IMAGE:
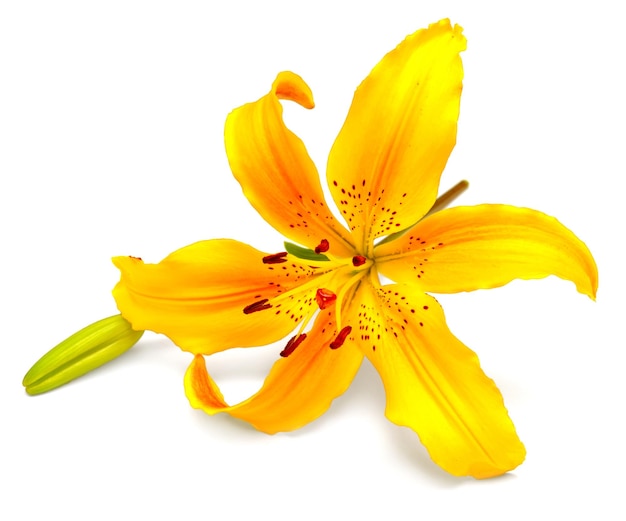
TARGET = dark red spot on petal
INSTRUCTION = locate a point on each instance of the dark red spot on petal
(292, 344)
(275, 258)
(341, 337)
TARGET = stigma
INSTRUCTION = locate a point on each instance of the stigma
(324, 298)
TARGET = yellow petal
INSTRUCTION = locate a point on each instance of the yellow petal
(486, 246)
(197, 295)
(434, 384)
(298, 389)
(384, 168)
(275, 171)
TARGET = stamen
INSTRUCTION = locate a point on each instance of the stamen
(341, 337)
(275, 258)
(358, 260)
(324, 298)
(322, 247)
(257, 306)
(292, 344)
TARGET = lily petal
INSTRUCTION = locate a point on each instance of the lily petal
(486, 246)
(434, 384)
(298, 389)
(197, 296)
(384, 168)
(275, 171)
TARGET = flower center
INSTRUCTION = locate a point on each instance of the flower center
(332, 281)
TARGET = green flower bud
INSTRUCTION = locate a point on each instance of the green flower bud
(84, 351)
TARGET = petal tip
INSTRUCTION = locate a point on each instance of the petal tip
(445, 26)
(290, 86)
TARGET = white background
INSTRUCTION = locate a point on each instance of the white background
(111, 120)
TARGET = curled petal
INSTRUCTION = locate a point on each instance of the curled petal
(275, 171)
(486, 246)
(214, 295)
(434, 384)
(298, 389)
(384, 168)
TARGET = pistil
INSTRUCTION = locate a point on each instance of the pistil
(324, 298)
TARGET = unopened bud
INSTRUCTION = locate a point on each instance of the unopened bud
(84, 351)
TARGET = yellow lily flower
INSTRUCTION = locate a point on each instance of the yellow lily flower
(383, 173)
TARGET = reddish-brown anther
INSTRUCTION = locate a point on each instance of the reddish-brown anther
(324, 298)
(358, 260)
(257, 306)
(322, 247)
(292, 344)
(275, 258)
(341, 337)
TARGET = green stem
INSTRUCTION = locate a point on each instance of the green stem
(447, 197)
(442, 201)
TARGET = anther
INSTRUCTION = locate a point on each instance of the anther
(358, 260)
(292, 344)
(257, 306)
(322, 247)
(275, 258)
(341, 337)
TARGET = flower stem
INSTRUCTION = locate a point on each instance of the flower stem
(442, 201)
(447, 197)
